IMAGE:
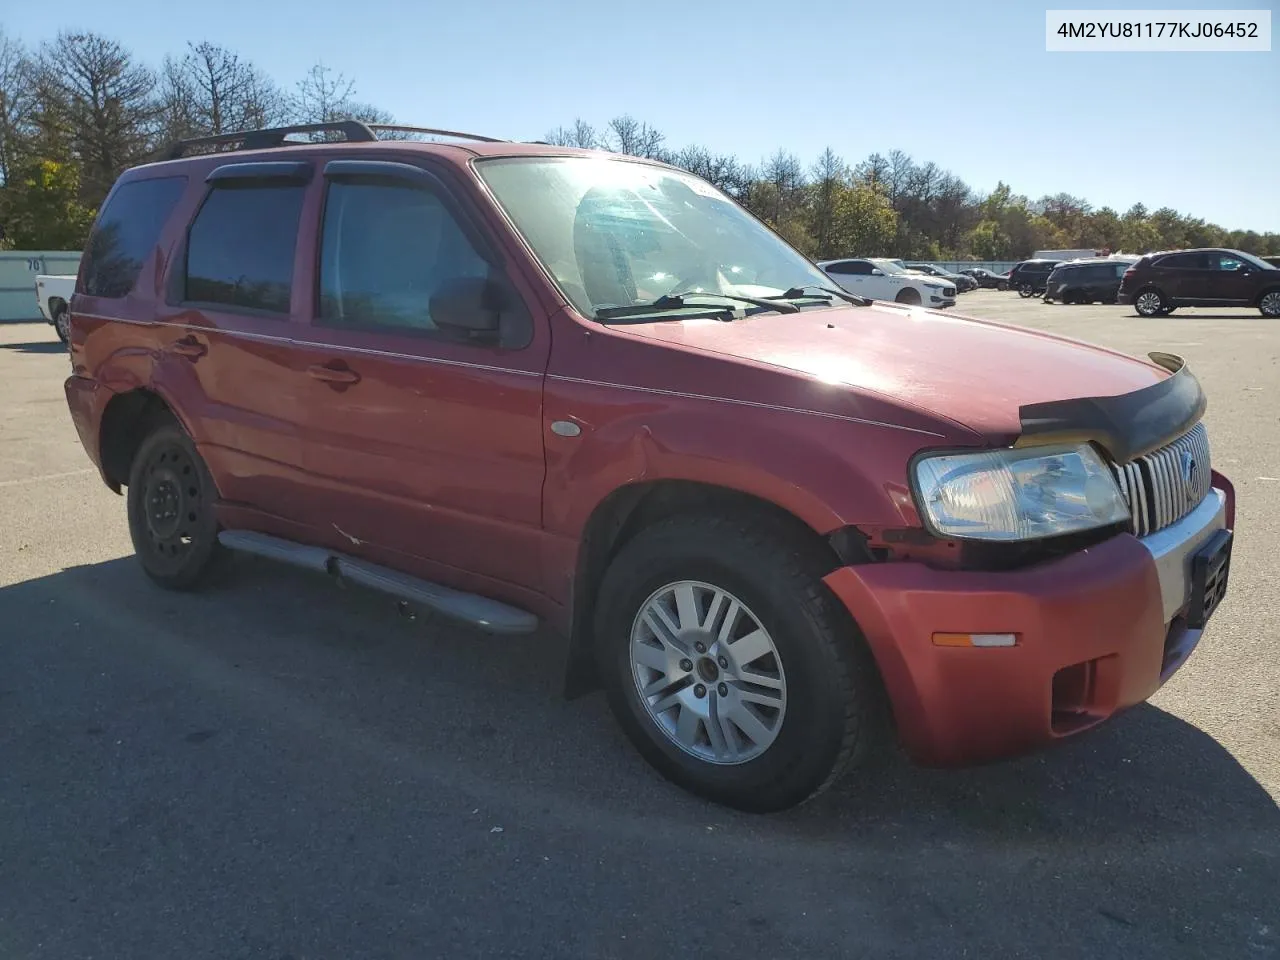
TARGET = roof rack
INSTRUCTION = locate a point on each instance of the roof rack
(434, 132)
(353, 131)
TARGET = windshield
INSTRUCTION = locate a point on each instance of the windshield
(616, 232)
(889, 266)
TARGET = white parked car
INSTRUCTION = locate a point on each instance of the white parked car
(53, 293)
(887, 280)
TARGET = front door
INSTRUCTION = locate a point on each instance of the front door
(419, 442)
(1232, 279)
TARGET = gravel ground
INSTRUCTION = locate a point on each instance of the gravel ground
(278, 769)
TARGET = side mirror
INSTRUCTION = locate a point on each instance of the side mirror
(877, 272)
(469, 307)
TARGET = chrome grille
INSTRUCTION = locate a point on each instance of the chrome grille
(1165, 485)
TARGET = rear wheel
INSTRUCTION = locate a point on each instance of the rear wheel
(1149, 303)
(1269, 304)
(62, 323)
(1025, 290)
(170, 501)
(730, 666)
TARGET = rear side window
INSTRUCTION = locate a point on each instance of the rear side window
(1184, 261)
(126, 233)
(241, 245)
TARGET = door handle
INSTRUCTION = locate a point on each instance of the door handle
(336, 373)
(189, 347)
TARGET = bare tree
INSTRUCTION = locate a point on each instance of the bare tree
(830, 178)
(873, 171)
(107, 105)
(211, 91)
(581, 134)
(626, 134)
(17, 102)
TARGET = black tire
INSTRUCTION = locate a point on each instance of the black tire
(1165, 311)
(835, 715)
(1269, 304)
(1149, 302)
(170, 502)
(908, 296)
(1025, 290)
(61, 320)
(1002, 285)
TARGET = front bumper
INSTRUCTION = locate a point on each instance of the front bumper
(1096, 632)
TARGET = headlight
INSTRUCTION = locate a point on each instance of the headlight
(932, 286)
(1018, 494)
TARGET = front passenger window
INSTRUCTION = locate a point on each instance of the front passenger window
(385, 249)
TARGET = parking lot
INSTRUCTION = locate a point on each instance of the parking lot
(277, 768)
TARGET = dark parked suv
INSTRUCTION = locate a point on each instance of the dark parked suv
(1159, 283)
(524, 385)
(1029, 277)
(1086, 281)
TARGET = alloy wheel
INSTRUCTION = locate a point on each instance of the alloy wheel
(1149, 303)
(1270, 304)
(707, 672)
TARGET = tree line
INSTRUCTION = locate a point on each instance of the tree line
(78, 110)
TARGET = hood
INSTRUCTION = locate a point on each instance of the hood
(972, 372)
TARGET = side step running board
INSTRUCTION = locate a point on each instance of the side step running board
(490, 615)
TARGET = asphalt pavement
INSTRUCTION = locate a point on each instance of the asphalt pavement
(276, 768)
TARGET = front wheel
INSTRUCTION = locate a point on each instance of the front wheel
(1025, 290)
(170, 501)
(909, 296)
(1269, 305)
(1149, 303)
(730, 665)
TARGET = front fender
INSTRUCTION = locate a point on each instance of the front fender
(827, 471)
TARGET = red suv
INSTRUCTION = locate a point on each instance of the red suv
(523, 384)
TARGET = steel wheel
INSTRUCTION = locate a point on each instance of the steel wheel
(1149, 303)
(1270, 304)
(171, 500)
(173, 507)
(708, 672)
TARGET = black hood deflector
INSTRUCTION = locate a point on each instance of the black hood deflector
(1126, 426)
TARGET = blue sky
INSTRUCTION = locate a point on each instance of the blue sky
(968, 86)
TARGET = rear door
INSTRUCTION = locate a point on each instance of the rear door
(420, 443)
(1183, 277)
(229, 321)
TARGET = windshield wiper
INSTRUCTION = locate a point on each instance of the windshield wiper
(768, 303)
(681, 301)
(796, 292)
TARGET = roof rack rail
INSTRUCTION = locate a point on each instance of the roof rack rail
(353, 130)
(431, 130)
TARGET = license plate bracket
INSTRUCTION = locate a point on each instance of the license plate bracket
(1210, 568)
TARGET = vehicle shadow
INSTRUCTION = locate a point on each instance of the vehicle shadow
(1137, 829)
(36, 346)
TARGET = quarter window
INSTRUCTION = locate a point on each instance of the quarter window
(241, 246)
(385, 249)
(126, 232)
